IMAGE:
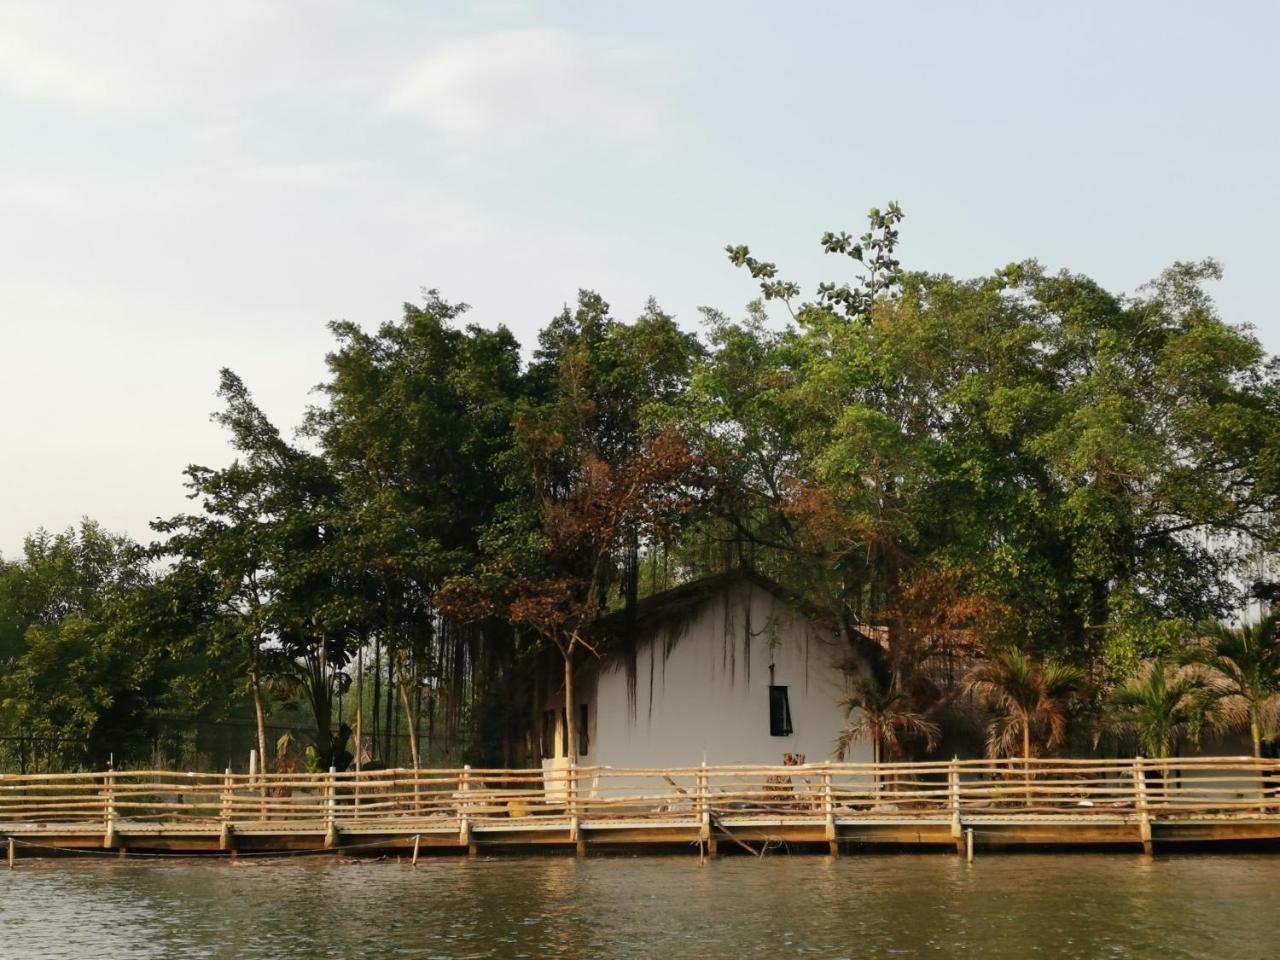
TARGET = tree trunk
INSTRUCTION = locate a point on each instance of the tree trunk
(1026, 755)
(411, 723)
(259, 718)
(377, 693)
(411, 720)
(359, 704)
(417, 723)
(1255, 731)
(875, 760)
(570, 727)
(388, 728)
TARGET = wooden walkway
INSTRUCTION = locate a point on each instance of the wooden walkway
(830, 807)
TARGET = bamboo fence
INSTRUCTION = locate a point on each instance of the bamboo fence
(1006, 789)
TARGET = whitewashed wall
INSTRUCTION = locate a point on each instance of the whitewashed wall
(702, 694)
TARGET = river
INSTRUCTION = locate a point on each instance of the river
(881, 905)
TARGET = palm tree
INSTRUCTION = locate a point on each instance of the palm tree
(1161, 704)
(885, 716)
(1242, 667)
(1032, 700)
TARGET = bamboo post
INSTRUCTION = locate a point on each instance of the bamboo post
(1262, 787)
(968, 845)
(228, 786)
(12, 855)
(1140, 804)
(331, 809)
(953, 799)
(254, 780)
(464, 819)
(829, 813)
(417, 839)
(575, 824)
(703, 811)
(109, 810)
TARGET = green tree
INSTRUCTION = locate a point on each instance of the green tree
(417, 418)
(1031, 701)
(1098, 464)
(1243, 672)
(98, 646)
(1162, 706)
(261, 543)
(597, 478)
(885, 718)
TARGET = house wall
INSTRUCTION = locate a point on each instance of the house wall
(702, 690)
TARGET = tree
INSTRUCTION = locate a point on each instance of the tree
(885, 718)
(418, 416)
(1162, 705)
(261, 541)
(1098, 464)
(99, 646)
(1242, 667)
(597, 478)
(1031, 700)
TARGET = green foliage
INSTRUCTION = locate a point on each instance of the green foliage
(885, 717)
(1101, 465)
(1163, 705)
(1031, 701)
(1243, 673)
(935, 467)
(96, 646)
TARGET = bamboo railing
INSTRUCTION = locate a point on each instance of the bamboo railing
(466, 799)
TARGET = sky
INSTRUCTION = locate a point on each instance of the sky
(188, 186)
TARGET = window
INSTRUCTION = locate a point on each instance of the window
(584, 739)
(779, 712)
(564, 732)
(548, 743)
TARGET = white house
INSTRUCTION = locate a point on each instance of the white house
(723, 670)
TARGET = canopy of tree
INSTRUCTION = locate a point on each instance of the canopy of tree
(1021, 468)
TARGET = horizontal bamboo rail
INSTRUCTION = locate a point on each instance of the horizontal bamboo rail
(834, 798)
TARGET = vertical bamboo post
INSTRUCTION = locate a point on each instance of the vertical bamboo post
(227, 788)
(12, 855)
(953, 801)
(224, 841)
(1262, 786)
(1140, 804)
(464, 818)
(254, 782)
(331, 808)
(109, 809)
(829, 813)
(575, 814)
(703, 811)
(968, 845)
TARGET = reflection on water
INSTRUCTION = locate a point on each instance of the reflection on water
(1081, 905)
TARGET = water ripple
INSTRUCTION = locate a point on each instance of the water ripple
(1074, 906)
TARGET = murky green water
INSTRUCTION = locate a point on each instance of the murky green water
(1004, 906)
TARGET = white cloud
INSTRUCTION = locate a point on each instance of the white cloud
(48, 197)
(306, 174)
(125, 56)
(48, 56)
(525, 85)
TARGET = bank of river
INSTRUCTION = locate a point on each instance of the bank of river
(1004, 906)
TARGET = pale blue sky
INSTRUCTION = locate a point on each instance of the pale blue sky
(185, 186)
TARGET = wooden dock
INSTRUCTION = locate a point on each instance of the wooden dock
(830, 807)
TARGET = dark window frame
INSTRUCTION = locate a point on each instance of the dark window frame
(779, 711)
(547, 742)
